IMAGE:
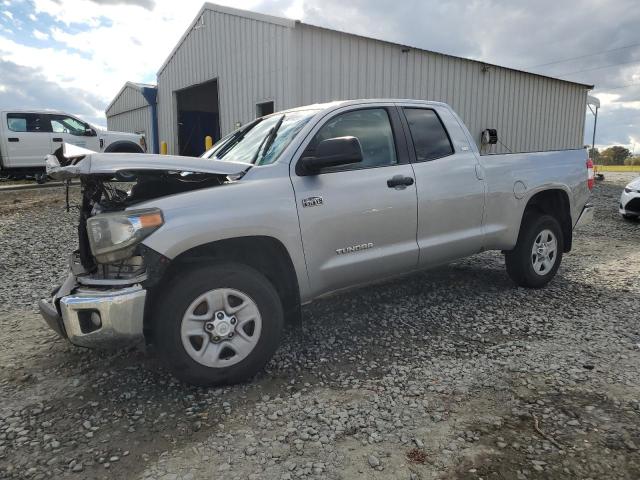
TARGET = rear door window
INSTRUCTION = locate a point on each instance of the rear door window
(25, 122)
(429, 136)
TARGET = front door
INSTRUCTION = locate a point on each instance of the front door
(28, 140)
(68, 129)
(356, 227)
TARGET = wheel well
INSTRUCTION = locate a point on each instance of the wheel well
(555, 203)
(123, 147)
(265, 254)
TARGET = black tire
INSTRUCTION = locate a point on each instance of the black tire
(123, 147)
(519, 260)
(629, 217)
(183, 290)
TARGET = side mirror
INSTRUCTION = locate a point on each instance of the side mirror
(332, 152)
(90, 132)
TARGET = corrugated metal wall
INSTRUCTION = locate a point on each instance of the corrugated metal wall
(248, 57)
(297, 64)
(530, 112)
(129, 99)
(130, 112)
(133, 121)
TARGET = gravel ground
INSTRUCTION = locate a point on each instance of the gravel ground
(452, 373)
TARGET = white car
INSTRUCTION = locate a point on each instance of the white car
(28, 136)
(630, 200)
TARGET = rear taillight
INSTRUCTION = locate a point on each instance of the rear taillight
(591, 178)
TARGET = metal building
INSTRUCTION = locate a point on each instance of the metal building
(134, 110)
(232, 65)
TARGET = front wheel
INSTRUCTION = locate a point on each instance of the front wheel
(218, 324)
(537, 255)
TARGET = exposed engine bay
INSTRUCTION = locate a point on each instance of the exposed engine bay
(104, 193)
(108, 187)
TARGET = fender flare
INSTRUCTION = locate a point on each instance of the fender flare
(123, 144)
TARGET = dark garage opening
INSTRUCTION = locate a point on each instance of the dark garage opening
(198, 116)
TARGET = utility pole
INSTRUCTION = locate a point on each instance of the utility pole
(596, 103)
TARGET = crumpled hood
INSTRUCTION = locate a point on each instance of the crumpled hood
(71, 161)
(635, 184)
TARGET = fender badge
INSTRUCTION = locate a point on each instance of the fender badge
(354, 248)
(312, 202)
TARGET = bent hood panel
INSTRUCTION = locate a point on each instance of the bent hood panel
(70, 161)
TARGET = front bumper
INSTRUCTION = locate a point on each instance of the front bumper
(96, 317)
(586, 216)
(629, 203)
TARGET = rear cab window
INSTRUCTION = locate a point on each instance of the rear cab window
(26, 122)
(430, 139)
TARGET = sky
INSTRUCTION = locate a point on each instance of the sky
(75, 55)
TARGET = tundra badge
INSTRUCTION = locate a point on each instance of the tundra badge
(354, 248)
(311, 202)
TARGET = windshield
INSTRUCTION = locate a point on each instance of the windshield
(262, 141)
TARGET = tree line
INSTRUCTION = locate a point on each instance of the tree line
(615, 155)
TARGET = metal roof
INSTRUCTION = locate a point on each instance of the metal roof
(135, 85)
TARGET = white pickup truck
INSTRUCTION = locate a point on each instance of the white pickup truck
(206, 257)
(28, 136)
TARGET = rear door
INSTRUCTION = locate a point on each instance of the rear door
(449, 185)
(355, 227)
(68, 129)
(28, 139)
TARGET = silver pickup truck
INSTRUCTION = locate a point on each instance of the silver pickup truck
(207, 258)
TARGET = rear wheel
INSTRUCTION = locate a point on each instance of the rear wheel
(626, 216)
(218, 324)
(538, 253)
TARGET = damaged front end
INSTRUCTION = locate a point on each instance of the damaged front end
(102, 302)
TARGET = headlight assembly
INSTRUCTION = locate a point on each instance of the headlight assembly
(114, 236)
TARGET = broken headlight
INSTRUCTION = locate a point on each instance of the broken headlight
(114, 236)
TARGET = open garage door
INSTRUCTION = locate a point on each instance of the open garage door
(198, 116)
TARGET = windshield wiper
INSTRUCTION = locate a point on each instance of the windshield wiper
(236, 138)
(267, 141)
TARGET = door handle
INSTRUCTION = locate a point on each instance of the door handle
(57, 139)
(14, 139)
(399, 182)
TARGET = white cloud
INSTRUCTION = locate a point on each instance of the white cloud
(124, 42)
(40, 35)
(296, 10)
(8, 14)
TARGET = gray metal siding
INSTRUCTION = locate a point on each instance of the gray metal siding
(248, 57)
(257, 60)
(129, 99)
(523, 107)
(133, 121)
